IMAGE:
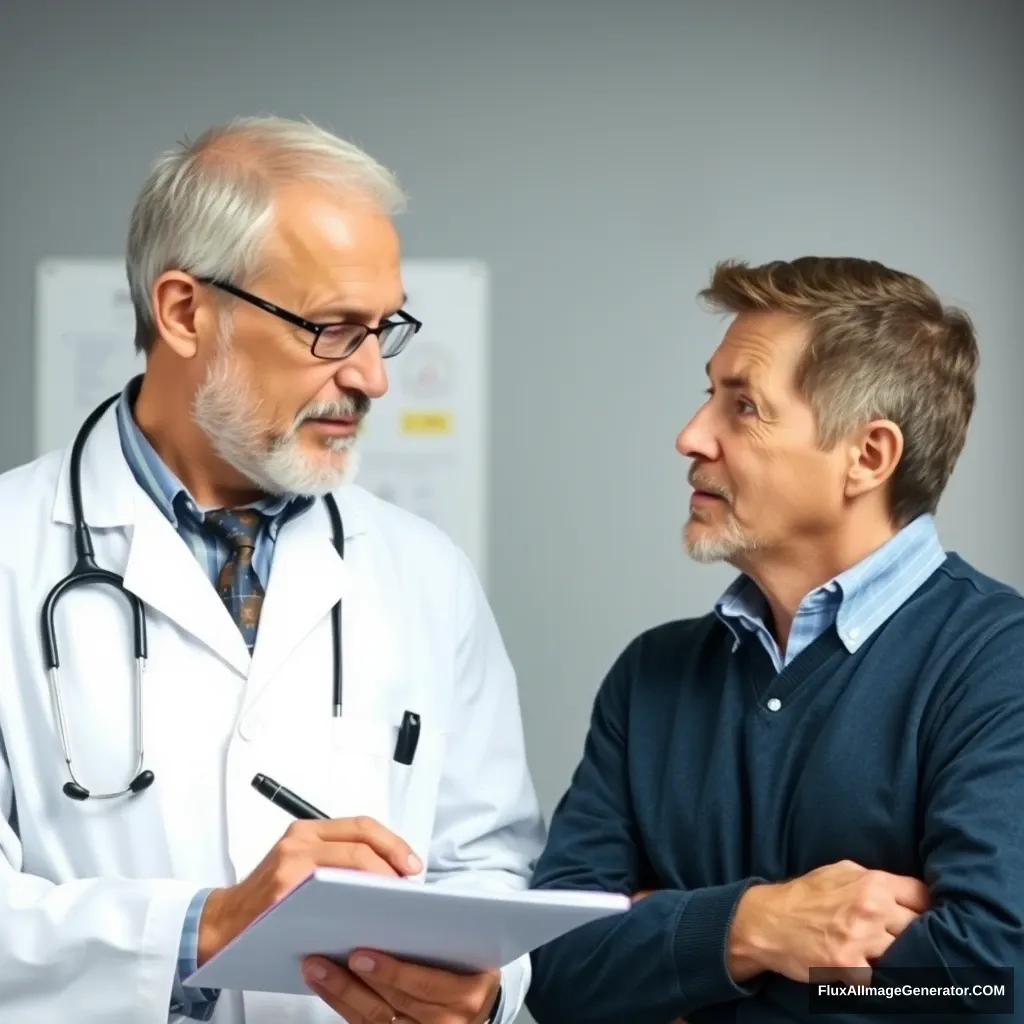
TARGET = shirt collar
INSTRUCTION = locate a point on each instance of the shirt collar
(863, 596)
(165, 489)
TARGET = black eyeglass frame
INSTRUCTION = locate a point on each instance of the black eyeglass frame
(317, 329)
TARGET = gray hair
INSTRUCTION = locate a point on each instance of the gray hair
(206, 205)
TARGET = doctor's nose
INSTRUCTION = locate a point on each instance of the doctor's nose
(364, 370)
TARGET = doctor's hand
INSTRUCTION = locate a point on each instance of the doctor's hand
(378, 989)
(360, 844)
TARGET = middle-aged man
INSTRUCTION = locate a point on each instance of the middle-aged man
(827, 771)
(265, 270)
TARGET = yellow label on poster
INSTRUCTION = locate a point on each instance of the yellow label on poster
(438, 422)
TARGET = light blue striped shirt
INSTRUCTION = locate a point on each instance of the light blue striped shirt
(211, 550)
(857, 601)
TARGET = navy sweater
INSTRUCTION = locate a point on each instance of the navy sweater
(906, 755)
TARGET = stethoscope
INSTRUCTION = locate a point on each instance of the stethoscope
(87, 572)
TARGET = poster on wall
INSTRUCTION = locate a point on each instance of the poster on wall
(425, 443)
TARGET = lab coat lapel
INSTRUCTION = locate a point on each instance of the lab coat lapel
(167, 576)
(160, 569)
(307, 578)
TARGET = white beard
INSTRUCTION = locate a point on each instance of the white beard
(229, 414)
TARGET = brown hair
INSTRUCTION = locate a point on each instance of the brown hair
(881, 346)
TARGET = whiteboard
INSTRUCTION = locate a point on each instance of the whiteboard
(425, 443)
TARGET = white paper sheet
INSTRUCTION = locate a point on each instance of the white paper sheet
(336, 912)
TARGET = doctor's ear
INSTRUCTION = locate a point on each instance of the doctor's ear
(182, 313)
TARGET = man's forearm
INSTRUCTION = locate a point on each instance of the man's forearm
(937, 947)
(661, 960)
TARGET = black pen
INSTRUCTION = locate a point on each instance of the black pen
(286, 799)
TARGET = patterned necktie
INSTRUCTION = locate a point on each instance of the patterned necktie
(238, 584)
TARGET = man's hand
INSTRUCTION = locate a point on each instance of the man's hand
(840, 916)
(361, 844)
(377, 989)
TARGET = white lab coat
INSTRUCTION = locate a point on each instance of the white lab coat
(93, 895)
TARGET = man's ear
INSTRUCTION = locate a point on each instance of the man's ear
(179, 312)
(875, 453)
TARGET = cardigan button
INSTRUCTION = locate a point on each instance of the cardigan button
(774, 704)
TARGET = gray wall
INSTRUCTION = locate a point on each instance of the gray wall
(599, 157)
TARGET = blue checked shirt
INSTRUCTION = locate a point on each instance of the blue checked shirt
(171, 497)
(857, 601)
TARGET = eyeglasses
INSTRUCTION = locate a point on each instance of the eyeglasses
(334, 340)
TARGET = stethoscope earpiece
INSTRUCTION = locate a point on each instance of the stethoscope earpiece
(75, 791)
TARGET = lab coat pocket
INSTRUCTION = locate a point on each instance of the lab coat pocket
(339, 765)
(414, 789)
(359, 761)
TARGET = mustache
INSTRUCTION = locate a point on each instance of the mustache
(353, 405)
(699, 482)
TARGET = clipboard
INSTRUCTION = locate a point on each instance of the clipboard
(336, 911)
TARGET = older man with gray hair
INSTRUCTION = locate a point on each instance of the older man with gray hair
(265, 270)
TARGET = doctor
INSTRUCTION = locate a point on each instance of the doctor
(265, 273)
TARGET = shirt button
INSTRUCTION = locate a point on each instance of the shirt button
(853, 633)
(774, 704)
